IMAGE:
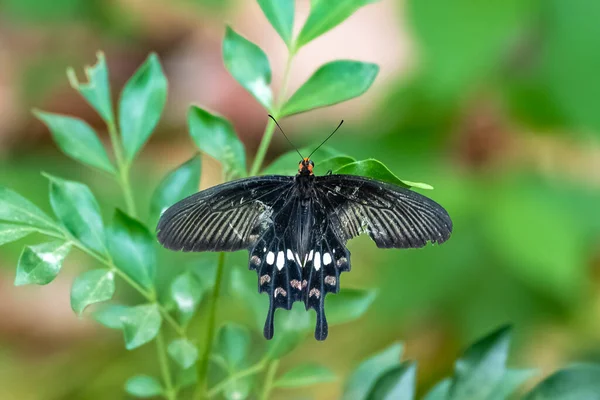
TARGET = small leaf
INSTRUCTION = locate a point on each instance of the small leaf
(186, 291)
(97, 90)
(332, 164)
(372, 168)
(77, 209)
(287, 164)
(510, 382)
(16, 208)
(365, 376)
(305, 375)
(249, 65)
(215, 136)
(239, 389)
(183, 352)
(326, 15)
(576, 382)
(481, 367)
(10, 233)
(41, 263)
(333, 83)
(396, 384)
(186, 377)
(177, 185)
(439, 391)
(131, 246)
(140, 325)
(141, 105)
(233, 344)
(92, 287)
(111, 315)
(77, 140)
(280, 14)
(143, 386)
(291, 328)
(348, 305)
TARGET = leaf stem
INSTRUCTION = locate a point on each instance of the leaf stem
(269, 378)
(255, 369)
(170, 391)
(122, 167)
(203, 362)
(270, 129)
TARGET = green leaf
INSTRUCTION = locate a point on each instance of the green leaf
(326, 15)
(140, 107)
(333, 83)
(214, 135)
(143, 386)
(131, 246)
(10, 233)
(77, 209)
(16, 208)
(396, 384)
(333, 164)
(183, 352)
(140, 325)
(280, 14)
(249, 65)
(287, 164)
(305, 375)
(186, 377)
(41, 263)
(348, 305)
(366, 374)
(243, 287)
(233, 344)
(375, 169)
(239, 389)
(77, 140)
(97, 90)
(576, 382)
(439, 391)
(177, 185)
(510, 382)
(111, 315)
(186, 291)
(291, 328)
(92, 287)
(481, 367)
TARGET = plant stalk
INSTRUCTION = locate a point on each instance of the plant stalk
(269, 378)
(203, 362)
(170, 392)
(122, 167)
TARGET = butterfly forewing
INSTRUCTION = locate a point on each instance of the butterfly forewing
(296, 229)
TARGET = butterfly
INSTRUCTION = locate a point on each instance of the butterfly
(295, 229)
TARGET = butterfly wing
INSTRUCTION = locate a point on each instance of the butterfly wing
(391, 215)
(224, 217)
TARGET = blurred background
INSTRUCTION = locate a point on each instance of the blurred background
(496, 104)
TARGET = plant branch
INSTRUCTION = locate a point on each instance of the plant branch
(269, 378)
(255, 369)
(170, 391)
(203, 362)
(123, 168)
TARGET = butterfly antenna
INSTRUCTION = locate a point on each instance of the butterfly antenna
(328, 137)
(288, 139)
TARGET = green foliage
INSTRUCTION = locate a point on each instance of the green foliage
(348, 305)
(280, 14)
(233, 345)
(249, 65)
(15, 208)
(572, 383)
(111, 315)
(186, 292)
(375, 169)
(183, 352)
(77, 209)
(178, 184)
(396, 384)
(216, 137)
(77, 140)
(305, 375)
(140, 325)
(141, 104)
(10, 233)
(333, 83)
(92, 287)
(41, 263)
(143, 386)
(97, 90)
(131, 246)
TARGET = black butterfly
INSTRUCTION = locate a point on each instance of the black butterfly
(296, 228)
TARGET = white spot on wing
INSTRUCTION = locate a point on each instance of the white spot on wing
(290, 255)
(298, 259)
(317, 261)
(280, 260)
(310, 256)
(270, 258)
(326, 258)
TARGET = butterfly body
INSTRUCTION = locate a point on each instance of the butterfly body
(295, 229)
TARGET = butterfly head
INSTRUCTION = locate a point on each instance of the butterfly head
(305, 167)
